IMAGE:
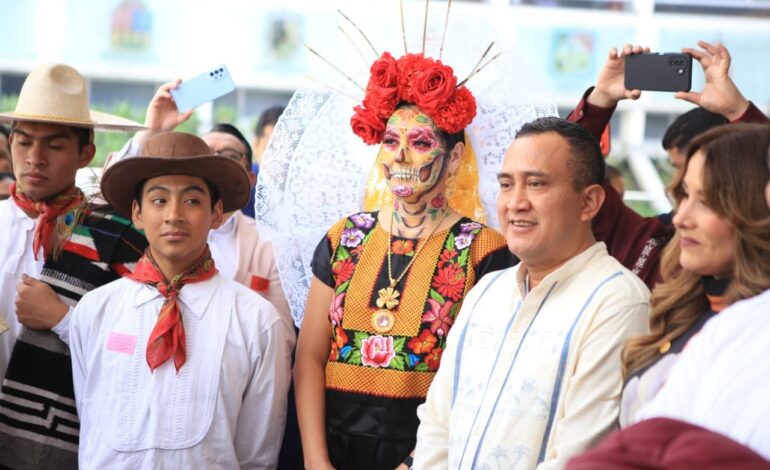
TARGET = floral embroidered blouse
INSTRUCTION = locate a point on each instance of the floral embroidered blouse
(352, 259)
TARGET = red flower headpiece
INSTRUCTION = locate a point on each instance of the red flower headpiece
(425, 82)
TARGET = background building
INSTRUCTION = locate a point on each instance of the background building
(128, 47)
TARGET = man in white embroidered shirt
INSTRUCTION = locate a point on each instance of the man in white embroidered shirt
(176, 366)
(532, 374)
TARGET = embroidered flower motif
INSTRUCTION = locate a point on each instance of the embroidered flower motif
(340, 337)
(433, 359)
(447, 256)
(362, 220)
(342, 270)
(423, 343)
(470, 226)
(402, 247)
(463, 240)
(449, 282)
(388, 298)
(439, 317)
(335, 310)
(377, 351)
(334, 353)
(352, 237)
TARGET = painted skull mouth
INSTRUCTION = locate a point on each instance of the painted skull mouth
(404, 175)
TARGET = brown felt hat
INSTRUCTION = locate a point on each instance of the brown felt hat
(176, 153)
(57, 94)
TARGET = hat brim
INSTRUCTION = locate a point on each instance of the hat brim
(99, 121)
(119, 181)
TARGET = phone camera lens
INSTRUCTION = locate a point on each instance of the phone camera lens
(680, 72)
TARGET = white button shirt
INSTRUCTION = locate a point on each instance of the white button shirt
(529, 380)
(226, 407)
(224, 248)
(17, 232)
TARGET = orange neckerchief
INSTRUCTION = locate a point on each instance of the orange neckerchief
(167, 338)
(47, 212)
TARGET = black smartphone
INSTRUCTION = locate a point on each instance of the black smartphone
(670, 71)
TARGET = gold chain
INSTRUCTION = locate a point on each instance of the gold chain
(394, 282)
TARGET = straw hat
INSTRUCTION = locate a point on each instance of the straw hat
(57, 94)
(176, 153)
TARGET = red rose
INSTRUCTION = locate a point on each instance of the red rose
(438, 201)
(457, 113)
(382, 90)
(367, 125)
(409, 66)
(433, 87)
(377, 351)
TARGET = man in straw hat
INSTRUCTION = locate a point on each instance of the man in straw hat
(54, 247)
(176, 366)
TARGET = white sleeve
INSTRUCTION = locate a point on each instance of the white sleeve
(77, 338)
(675, 398)
(62, 329)
(129, 149)
(262, 416)
(592, 396)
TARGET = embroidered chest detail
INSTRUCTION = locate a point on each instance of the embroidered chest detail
(431, 295)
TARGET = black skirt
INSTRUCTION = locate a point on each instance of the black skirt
(368, 432)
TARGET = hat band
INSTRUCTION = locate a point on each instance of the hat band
(49, 117)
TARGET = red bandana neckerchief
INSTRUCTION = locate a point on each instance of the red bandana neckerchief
(47, 213)
(167, 338)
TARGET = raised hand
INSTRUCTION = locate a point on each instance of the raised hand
(610, 87)
(162, 113)
(719, 94)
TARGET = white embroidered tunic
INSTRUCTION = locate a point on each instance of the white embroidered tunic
(529, 381)
(226, 407)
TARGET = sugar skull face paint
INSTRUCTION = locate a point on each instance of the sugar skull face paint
(412, 154)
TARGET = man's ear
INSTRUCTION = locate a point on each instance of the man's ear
(218, 212)
(455, 156)
(136, 215)
(86, 155)
(593, 198)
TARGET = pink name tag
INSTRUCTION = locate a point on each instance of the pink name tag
(121, 343)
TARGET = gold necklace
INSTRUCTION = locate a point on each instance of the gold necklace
(383, 319)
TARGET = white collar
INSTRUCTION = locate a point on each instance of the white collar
(571, 267)
(195, 296)
(227, 228)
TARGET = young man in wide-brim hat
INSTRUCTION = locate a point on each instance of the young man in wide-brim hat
(54, 247)
(176, 366)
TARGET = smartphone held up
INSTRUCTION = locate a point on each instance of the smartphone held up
(203, 88)
(670, 71)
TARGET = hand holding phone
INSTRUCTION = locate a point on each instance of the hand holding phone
(670, 71)
(203, 88)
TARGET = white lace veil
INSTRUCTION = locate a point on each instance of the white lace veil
(314, 168)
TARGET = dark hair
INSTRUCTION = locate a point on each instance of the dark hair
(83, 134)
(688, 125)
(213, 191)
(4, 130)
(233, 131)
(268, 118)
(586, 162)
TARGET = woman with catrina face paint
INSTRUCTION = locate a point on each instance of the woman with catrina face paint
(388, 283)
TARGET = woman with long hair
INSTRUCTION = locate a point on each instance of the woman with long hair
(719, 255)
